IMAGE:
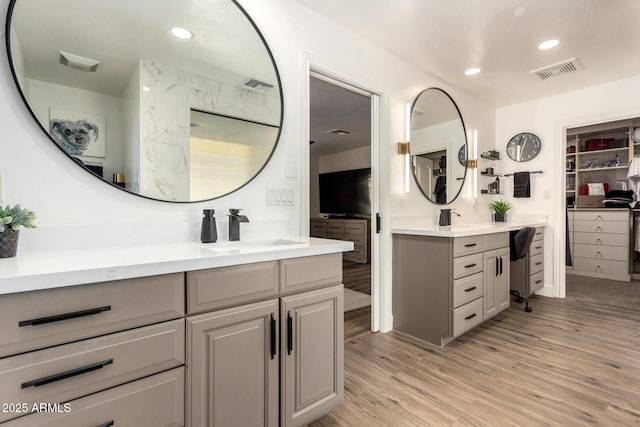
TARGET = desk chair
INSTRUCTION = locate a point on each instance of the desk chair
(519, 242)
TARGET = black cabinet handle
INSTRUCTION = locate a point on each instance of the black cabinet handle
(473, 288)
(65, 316)
(470, 265)
(289, 333)
(497, 268)
(67, 374)
(501, 266)
(273, 336)
(107, 424)
(469, 317)
(470, 245)
(538, 263)
(538, 281)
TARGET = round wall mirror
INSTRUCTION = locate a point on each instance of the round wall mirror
(438, 146)
(182, 118)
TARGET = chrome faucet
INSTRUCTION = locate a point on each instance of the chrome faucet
(234, 223)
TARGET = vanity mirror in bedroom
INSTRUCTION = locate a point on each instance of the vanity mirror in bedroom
(172, 100)
(438, 146)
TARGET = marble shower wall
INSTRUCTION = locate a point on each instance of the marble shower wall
(168, 96)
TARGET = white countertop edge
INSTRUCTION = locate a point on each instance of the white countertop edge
(465, 230)
(47, 270)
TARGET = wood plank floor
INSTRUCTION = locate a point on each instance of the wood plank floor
(570, 362)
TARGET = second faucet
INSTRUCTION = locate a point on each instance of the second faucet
(234, 223)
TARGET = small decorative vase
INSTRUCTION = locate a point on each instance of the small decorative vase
(9, 242)
(500, 217)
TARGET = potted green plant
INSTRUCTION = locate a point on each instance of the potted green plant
(500, 208)
(12, 218)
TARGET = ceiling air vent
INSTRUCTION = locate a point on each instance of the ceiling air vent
(78, 62)
(563, 67)
(339, 132)
(256, 85)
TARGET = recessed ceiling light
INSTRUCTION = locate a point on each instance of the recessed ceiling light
(472, 71)
(181, 33)
(548, 44)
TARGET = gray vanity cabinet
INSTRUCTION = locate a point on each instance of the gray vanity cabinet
(496, 281)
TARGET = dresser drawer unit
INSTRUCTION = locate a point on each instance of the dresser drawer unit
(467, 316)
(536, 263)
(614, 253)
(495, 241)
(157, 400)
(467, 265)
(616, 227)
(467, 289)
(601, 266)
(226, 286)
(601, 239)
(297, 274)
(600, 215)
(467, 245)
(34, 320)
(69, 371)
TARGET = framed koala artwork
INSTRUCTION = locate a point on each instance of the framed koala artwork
(79, 134)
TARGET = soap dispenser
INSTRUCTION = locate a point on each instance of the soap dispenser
(209, 232)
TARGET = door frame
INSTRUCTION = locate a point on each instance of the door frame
(313, 66)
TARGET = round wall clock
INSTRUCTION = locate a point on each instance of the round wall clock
(524, 146)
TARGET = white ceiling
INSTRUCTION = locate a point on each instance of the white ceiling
(446, 37)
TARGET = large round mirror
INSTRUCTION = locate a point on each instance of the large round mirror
(185, 117)
(438, 146)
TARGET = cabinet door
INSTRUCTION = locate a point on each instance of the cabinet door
(232, 367)
(491, 272)
(503, 280)
(312, 349)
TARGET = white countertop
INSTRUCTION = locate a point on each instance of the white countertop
(471, 229)
(45, 270)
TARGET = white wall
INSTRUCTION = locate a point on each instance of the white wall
(548, 118)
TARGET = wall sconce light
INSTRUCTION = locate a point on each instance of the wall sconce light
(473, 164)
(403, 149)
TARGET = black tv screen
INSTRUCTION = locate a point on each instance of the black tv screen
(346, 192)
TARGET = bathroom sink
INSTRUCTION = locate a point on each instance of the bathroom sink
(250, 245)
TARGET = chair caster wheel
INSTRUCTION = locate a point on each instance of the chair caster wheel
(528, 309)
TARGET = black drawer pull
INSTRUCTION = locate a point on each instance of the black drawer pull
(538, 281)
(538, 263)
(107, 424)
(538, 247)
(470, 245)
(473, 288)
(470, 265)
(289, 333)
(60, 317)
(273, 336)
(469, 317)
(67, 374)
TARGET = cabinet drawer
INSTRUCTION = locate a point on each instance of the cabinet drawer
(536, 263)
(41, 319)
(467, 265)
(614, 253)
(355, 227)
(335, 227)
(69, 371)
(495, 241)
(357, 240)
(334, 235)
(467, 289)
(467, 245)
(537, 247)
(467, 316)
(358, 254)
(539, 234)
(601, 239)
(617, 227)
(600, 266)
(226, 286)
(601, 215)
(297, 274)
(157, 400)
(536, 281)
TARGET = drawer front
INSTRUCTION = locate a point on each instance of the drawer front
(600, 266)
(41, 319)
(357, 240)
(467, 265)
(69, 371)
(536, 281)
(537, 247)
(467, 316)
(601, 239)
(335, 236)
(495, 241)
(355, 227)
(617, 227)
(539, 234)
(601, 215)
(298, 274)
(226, 286)
(614, 253)
(467, 289)
(467, 245)
(536, 263)
(154, 401)
(335, 227)
(358, 254)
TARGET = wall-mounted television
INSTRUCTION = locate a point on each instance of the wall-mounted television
(346, 193)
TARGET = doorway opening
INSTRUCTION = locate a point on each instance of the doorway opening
(341, 186)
